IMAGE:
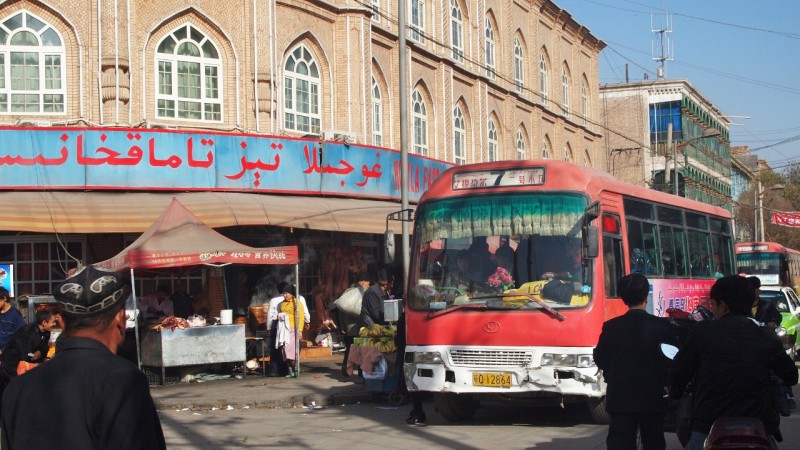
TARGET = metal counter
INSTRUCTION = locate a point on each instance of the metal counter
(193, 346)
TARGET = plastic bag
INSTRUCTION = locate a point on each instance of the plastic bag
(25, 366)
(378, 370)
(350, 301)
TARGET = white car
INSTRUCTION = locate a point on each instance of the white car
(788, 303)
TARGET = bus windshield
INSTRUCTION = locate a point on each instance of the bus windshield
(480, 250)
(759, 263)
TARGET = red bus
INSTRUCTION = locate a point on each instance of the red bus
(527, 331)
(772, 263)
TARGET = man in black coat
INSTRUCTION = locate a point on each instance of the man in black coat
(29, 344)
(85, 396)
(728, 361)
(635, 369)
(372, 302)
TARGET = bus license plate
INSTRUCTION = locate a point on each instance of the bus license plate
(489, 379)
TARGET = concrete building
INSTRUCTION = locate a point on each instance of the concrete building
(637, 115)
(242, 84)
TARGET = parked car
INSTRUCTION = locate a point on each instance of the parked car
(788, 303)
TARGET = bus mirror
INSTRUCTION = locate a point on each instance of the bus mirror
(590, 242)
(388, 242)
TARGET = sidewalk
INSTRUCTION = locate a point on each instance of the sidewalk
(320, 381)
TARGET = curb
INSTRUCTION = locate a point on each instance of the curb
(292, 401)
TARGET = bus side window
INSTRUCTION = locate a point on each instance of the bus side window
(613, 256)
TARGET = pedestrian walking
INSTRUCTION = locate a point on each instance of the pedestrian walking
(635, 370)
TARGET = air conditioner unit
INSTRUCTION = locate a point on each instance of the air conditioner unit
(346, 137)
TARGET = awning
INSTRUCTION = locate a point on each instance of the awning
(106, 212)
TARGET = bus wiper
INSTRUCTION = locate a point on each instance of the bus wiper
(441, 312)
(538, 301)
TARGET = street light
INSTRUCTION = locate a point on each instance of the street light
(710, 132)
(760, 199)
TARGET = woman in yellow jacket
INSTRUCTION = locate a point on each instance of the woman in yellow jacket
(290, 319)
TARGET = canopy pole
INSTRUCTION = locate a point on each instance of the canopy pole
(135, 321)
(298, 323)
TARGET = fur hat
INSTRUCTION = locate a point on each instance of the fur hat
(89, 291)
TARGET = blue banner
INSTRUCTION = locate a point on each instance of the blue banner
(143, 160)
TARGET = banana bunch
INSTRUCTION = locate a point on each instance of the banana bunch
(377, 331)
(383, 345)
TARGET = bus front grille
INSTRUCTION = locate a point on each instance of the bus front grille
(494, 358)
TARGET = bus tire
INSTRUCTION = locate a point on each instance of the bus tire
(597, 408)
(455, 407)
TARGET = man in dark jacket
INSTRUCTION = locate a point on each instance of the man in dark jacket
(85, 396)
(635, 369)
(372, 302)
(729, 360)
(29, 344)
(764, 311)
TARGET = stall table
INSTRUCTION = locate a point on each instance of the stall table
(193, 346)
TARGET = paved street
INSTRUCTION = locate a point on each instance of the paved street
(356, 426)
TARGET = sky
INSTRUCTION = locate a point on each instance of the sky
(743, 56)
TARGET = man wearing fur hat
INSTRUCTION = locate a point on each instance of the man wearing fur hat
(93, 398)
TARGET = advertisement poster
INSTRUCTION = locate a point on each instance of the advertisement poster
(681, 294)
(7, 278)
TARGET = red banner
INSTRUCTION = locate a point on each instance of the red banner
(787, 219)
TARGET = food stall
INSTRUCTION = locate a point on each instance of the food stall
(177, 239)
(193, 346)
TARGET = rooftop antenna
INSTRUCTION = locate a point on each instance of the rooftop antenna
(662, 50)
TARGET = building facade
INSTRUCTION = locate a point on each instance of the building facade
(637, 117)
(486, 81)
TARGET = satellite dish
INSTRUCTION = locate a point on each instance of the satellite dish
(388, 238)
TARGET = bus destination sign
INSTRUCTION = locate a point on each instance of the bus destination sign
(498, 178)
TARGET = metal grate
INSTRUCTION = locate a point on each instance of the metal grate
(495, 358)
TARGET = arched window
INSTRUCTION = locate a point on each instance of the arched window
(301, 92)
(543, 82)
(567, 153)
(419, 117)
(189, 71)
(565, 90)
(492, 149)
(490, 67)
(459, 137)
(417, 25)
(587, 159)
(545, 150)
(457, 30)
(584, 102)
(520, 145)
(377, 115)
(519, 66)
(32, 66)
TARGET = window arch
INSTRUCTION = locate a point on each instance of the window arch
(584, 101)
(519, 66)
(32, 66)
(419, 118)
(520, 145)
(587, 159)
(492, 142)
(543, 81)
(457, 30)
(545, 149)
(568, 153)
(377, 114)
(490, 49)
(565, 89)
(301, 80)
(459, 137)
(188, 70)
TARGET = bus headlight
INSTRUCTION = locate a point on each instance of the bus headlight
(567, 360)
(427, 358)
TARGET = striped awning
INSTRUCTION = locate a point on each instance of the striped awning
(107, 212)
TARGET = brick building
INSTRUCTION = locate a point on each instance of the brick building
(486, 81)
